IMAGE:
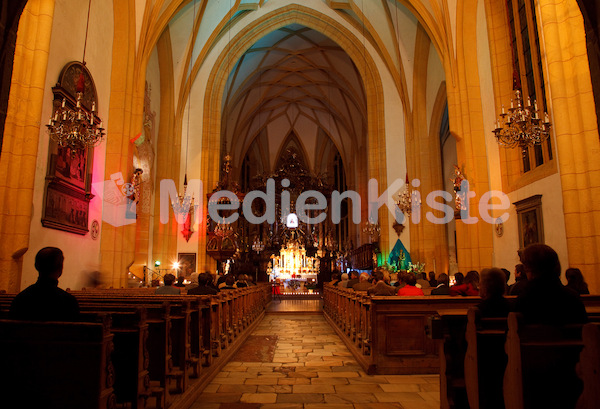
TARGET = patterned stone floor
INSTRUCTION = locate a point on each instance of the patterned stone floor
(299, 362)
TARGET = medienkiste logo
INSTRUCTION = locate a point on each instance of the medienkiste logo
(310, 207)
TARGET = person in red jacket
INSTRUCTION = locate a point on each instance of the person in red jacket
(410, 287)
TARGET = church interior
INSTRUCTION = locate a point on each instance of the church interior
(289, 141)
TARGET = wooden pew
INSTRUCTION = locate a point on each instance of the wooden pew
(588, 367)
(240, 307)
(56, 365)
(392, 331)
(485, 360)
(540, 372)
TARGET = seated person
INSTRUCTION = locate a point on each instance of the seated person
(353, 279)
(44, 301)
(335, 278)
(443, 287)
(193, 281)
(168, 288)
(459, 278)
(241, 281)
(432, 280)
(469, 287)
(344, 282)
(492, 289)
(545, 300)
(363, 283)
(203, 288)
(379, 286)
(410, 288)
(575, 281)
(422, 280)
(229, 282)
(179, 283)
(520, 280)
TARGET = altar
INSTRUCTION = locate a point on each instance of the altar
(293, 269)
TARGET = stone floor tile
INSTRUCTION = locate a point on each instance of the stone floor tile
(240, 405)
(211, 388)
(430, 387)
(329, 381)
(302, 374)
(405, 379)
(343, 389)
(314, 369)
(311, 369)
(329, 406)
(262, 381)
(300, 398)
(420, 405)
(219, 397)
(367, 380)
(400, 387)
(228, 381)
(259, 397)
(274, 389)
(350, 398)
(340, 374)
(378, 405)
(313, 389)
(293, 381)
(204, 405)
(399, 397)
(236, 389)
(430, 396)
(282, 406)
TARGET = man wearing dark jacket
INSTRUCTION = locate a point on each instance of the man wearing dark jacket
(44, 301)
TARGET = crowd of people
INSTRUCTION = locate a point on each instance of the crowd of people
(539, 290)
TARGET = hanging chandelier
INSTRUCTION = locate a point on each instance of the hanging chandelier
(184, 204)
(407, 199)
(76, 127)
(521, 126)
(373, 230)
(223, 229)
(258, 246)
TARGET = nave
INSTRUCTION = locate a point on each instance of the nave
(295, 360)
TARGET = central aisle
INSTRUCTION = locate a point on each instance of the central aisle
(296, 361)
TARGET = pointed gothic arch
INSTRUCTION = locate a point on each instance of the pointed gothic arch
(375, 161)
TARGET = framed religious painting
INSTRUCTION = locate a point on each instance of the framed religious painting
(69, 174)
(531, 226)
(187, 263)
(65, 210)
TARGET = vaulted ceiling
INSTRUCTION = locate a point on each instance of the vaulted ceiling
(294, 81)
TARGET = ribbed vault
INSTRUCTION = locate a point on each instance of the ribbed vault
(294, 80)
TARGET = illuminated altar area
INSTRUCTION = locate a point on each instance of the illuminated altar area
(293, 268)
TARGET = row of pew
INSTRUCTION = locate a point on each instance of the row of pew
(131, 349)
(487, 363)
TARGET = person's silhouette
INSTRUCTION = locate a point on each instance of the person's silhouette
(44, 301)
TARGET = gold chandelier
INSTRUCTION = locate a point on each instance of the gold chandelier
(521, 126)
(76, 127)
(407, 199)
(372, 230)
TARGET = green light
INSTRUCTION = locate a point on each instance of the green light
(156, 263)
